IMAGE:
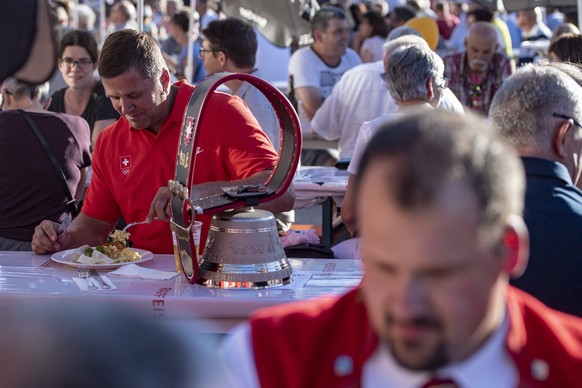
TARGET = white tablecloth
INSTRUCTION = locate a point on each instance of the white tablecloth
(24, 275)
(314, 184)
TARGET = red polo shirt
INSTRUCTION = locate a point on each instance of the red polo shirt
(130, 165)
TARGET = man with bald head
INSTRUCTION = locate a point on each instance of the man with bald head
(477, 73)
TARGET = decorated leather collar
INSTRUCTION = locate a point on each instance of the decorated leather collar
(183, 208)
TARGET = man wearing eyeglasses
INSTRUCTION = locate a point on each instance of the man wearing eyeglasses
(231, 45)
(539, 110)
(477, 73)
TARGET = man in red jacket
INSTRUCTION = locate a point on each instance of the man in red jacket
(441, 199)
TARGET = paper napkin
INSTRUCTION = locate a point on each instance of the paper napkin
(135, 271)
(83, 284)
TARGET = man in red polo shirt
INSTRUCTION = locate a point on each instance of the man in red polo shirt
(136, 156)
(440, 198)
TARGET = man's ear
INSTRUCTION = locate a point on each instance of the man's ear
(430, 88)
(165, 80)
(222, 58)
(559, 138)
(317, 35)
(47, 103)
(6, 100)
(516, 247)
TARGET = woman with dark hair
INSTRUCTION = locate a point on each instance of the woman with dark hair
(566, 48)
(84, 96)
(371, 34)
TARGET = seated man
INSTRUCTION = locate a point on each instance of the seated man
(414, 78)
(539, 111)
(137, 155)
(314, 71)
(231, 45)
(477, 73)
(30, 189)
(441, 199)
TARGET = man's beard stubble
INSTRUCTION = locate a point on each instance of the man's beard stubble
(438, 357)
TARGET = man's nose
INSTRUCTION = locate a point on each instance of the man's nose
(409, 298)
(126, 106)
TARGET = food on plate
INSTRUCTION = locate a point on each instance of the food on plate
(115, 250)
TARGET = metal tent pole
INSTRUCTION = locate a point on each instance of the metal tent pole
(190, 57)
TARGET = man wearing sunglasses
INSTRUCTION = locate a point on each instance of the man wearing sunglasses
(539, 110)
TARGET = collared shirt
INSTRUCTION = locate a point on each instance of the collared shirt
(477, 91)
(381, 370)
(553, 216)
(129, 165)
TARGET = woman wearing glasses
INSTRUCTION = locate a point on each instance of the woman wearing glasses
(84, 95)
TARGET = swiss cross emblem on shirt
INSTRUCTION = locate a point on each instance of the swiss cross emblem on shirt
(189, 129)
(125, 164)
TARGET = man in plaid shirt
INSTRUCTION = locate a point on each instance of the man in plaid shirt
(476, 74)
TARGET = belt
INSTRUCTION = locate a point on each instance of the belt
(183, 208)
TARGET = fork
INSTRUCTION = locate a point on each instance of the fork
(136, 223)
(84, 274)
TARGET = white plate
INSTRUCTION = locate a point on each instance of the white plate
(64, 257)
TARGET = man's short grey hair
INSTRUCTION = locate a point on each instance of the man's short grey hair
(86, 17)
(404, 40)
(522, 108)
(127, 9)
(22, 89)
(408, 69)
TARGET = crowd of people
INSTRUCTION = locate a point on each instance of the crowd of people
(463, 126)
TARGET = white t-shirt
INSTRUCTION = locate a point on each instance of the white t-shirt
(367, 130)
(374, 45)
(308, 69)
(359, 96)
(262, 110)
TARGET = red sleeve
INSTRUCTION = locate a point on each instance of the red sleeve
(99, 200)
(232, 137)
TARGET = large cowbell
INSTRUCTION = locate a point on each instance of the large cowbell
(243, 248)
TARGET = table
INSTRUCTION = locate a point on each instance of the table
(26, 276)
(319, 144)
(325, 185)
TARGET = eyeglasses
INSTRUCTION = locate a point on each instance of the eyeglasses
(203, 51)
(83, 63)
(444, 82)
(576, 123)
